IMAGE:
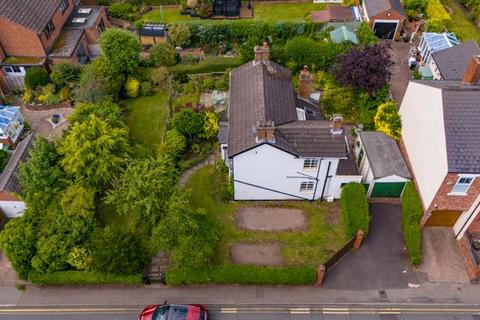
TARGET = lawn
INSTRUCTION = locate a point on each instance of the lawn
(463, 28)
(147, 118)
(261, 11)
(302, 248)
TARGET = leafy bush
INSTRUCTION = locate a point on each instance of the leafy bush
(73, 277)
(435, 25)
(412, 212)
(436, 10)
(159, 76)
(388, 120)
(179, 35)
(132, 87)
(173, 145)
(243, 274)
(162, 54)
(354, 204)
(121, 10)
(366, 35)
(208, 83)
(189, 123)
(146, 88)
(28, 95)
(107, 111)
(36, 77)
(416, 5)
(47, 95)
(65, 75)
(121, 50)
(65, 94)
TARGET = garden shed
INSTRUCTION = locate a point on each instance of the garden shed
(380, 162)
(433, 42)
(150, 34)
(343, 34)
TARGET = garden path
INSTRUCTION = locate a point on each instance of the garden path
(38, 121)
(211, 159)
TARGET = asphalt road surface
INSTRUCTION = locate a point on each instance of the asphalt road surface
(251, 312)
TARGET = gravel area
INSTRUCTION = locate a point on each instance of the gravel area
(267, 254)
(271, 219)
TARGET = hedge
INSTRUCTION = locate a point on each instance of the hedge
(242, 274)
(435, 10)
(213, 64)
(74, 277)
(412, 212)
(354, 204)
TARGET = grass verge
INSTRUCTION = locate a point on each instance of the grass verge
(412, 212)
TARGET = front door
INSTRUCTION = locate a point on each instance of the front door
(443, 218)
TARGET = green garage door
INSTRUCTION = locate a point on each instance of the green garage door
(387, 189)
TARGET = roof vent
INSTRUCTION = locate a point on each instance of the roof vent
(79, 20)
(85, 10)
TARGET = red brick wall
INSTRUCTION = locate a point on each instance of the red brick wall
(93, 33)
(2, 55)
(19, 41)
(468, 260)
(393, 16)
(451, 202)
(7, 196)
(59, 20)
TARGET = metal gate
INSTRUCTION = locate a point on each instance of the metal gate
(387, 189)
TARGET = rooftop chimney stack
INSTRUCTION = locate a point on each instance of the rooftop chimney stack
(472, 74)
(337, 124)
(306, 81)
(262, 53)
(265, 131)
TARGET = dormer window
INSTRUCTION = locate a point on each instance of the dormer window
(462, 185)
(49, 29)
(310, 163)
(63, 6)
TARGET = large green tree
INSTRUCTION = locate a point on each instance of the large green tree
(185, 233)
(106, 110)
(121, 50)
(189, 123)
(162, 54)
(94, 152)
(144, 188)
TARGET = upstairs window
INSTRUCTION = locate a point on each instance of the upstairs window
(49, 29)
(306, 186)
(310, 163)
(462, 185)
(64, 5)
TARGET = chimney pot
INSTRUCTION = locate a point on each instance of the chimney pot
(472, 73)
(265, 131)
(337, 124)
(306, 81)
(262, 53)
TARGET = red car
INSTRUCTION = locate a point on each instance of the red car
(174, 312)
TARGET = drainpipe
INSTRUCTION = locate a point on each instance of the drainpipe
(316, 179)
(325, 181)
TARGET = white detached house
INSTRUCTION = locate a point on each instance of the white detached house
(277, 147)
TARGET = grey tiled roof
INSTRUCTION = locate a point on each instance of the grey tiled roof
(258, 92)
(461, 114)
(383, 155)
(8, 180)
(32, 14)
(311, 139)
(347, 167)
(453, 62)
(223, 132)
(375, 7)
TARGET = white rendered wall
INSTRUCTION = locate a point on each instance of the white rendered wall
(267, 167)
(424, 137)
(433, 67)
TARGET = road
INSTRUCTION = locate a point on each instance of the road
(252, 312)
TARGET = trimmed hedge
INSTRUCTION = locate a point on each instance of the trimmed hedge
(74, 277)
(210, 64)
(412, 212)
(436, 10)
(354, 204)
(242, 274)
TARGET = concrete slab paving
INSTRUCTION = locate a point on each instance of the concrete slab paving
(264, 254)
(271, 219)
(442, 261)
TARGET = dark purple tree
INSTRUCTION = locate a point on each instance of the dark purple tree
(366, 68)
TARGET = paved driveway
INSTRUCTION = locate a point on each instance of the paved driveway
(401, 74)
(39, 124)
(381, 262)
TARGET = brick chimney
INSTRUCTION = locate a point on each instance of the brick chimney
(265, 131)
(262, 53)
(305, 86)
(472, 74)
(337, 124)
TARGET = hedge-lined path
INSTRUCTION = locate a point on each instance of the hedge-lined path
(381, 262)
(211, 160)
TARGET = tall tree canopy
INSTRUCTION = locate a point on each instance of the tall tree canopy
(121, 50)
(365, 68)
(106, 110)
(94, 152)
(388, 120)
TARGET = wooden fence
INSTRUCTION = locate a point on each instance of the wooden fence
(340, 253)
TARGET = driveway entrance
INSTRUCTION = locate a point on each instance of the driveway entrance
(381, 261)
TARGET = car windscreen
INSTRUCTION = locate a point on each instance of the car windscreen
(161, 313)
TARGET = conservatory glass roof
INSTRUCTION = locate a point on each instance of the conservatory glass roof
(7, 114)
(440, 41)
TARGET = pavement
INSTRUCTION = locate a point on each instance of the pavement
(381, 262)
(401, 74)
(442, 260)
(38, 121)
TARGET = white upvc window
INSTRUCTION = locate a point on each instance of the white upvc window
(306, 186)
(462, 185)
(310, 163)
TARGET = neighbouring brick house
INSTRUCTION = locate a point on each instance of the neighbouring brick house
(451, 63)
(384, 16)
(41, 33)
(440, 138)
